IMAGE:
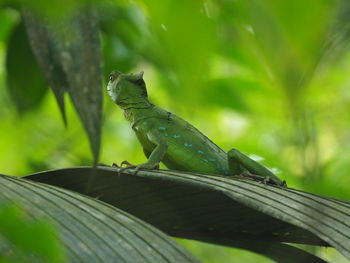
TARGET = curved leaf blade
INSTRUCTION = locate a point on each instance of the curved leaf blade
(79, 48)
(69, 52)
(216, 209)
(47, 58)
(91, 230)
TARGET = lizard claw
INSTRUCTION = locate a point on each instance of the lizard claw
(127, 166)
(146, 166)
(266, 180)
(257, 178)
(143, 166)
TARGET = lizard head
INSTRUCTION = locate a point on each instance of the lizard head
(126, 89)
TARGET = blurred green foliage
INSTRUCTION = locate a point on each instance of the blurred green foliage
(270, 78)
(26, 240)
(20, 50)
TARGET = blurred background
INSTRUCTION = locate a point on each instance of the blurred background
(270, 78)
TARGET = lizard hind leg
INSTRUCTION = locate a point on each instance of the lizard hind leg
(234, 163)
(240, 163)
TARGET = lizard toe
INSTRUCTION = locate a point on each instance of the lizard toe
(127, 164)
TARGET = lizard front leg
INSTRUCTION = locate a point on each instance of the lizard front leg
(158, 152)
(156, 156)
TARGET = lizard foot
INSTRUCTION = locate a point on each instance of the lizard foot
(269, 181)
(146, 166)
(257, 178)
(127, 166)
(143, 166)
(266, 180)
(248, 175)
(284, 184)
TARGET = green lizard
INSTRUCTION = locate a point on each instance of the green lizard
(167, 138)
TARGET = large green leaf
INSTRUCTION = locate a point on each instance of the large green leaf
(69, 51)
(91, 231)
(221, 210)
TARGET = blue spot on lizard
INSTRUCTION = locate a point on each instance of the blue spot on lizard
(200, 152)
(161, 128)
(188, 144)
(175, 136)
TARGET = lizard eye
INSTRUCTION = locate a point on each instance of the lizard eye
(111, 77)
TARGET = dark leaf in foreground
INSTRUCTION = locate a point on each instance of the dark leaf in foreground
(91, 231)
(47, 58)
(69, 52)
(220, 210)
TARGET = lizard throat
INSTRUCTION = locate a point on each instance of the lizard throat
(134, 112)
